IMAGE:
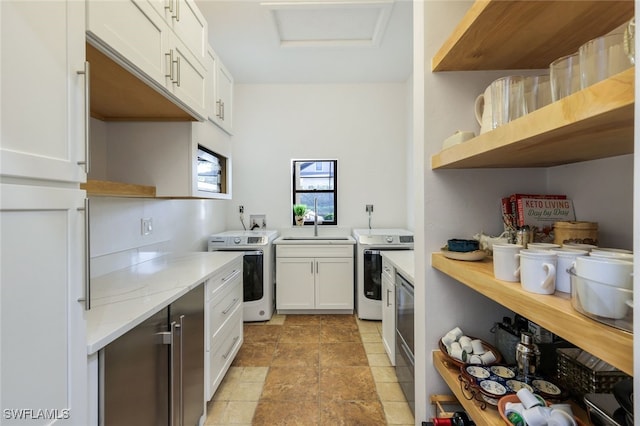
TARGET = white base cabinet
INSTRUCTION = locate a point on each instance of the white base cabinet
(223, 323)
(314, 278)
(389, 310)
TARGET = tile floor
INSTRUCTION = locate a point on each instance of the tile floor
(310, 370)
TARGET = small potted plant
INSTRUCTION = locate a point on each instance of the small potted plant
(298, 211)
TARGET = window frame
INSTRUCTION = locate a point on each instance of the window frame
(334, 191)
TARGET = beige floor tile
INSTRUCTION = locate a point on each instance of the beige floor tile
(223, 393)
(398, 413)
(368, 326)
(239, 412)
(253, 374)
(246, 391)
(390, 391)
(374, 348)
(379, 360)
(215, 412)
(384, 374)
(276, 319)
(371, 337)
(234, 373)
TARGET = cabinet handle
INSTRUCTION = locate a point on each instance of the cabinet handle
(312, 267)
(170, 65)
(87, 258)
(170, 6)
(235, 339)
(231, 275)
(317, 269)
(181, 396)
(87, 114)
(177, 62)
(388, 291)
(177, 11)
(218, 108)
(222, 113)
(172, 375)
(230, 306)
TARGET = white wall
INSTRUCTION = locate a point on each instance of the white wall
(364, 126)
(116, 237)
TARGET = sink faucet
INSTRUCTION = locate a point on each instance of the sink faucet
(315, 217)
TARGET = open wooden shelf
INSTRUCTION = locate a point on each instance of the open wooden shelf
(553, 312)
(489, 416)
(103, 188)
(594, 123)
(498, 34)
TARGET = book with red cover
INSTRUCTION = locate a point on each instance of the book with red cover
(514, 199)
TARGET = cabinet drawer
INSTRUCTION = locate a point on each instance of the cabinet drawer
(224, 276)
(224, 349)
(223, 306)
(311, 250)
(387, 269)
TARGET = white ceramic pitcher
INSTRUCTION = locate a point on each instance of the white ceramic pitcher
(483, 111)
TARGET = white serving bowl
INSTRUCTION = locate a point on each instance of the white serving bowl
(613, 272)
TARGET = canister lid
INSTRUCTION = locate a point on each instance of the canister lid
(576, 225)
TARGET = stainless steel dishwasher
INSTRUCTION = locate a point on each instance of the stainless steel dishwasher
(405, 361)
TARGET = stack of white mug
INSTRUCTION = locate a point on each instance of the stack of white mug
(601, 274)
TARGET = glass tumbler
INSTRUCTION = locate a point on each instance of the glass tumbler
(507, 99)
(564, 75)
(603, 57)
(537, 92)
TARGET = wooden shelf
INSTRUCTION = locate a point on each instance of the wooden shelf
(497, 34)
(103, 188)
(553, 312)
(489, 416)
(594, 123)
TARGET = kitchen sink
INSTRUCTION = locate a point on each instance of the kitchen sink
(315, 238)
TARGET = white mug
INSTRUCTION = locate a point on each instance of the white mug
(566, 258)
(538, 271)
(543, 246)
(506, 262)
(483, 111)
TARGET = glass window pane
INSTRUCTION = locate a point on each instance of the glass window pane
(319, 175)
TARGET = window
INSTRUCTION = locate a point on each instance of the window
(316, 179)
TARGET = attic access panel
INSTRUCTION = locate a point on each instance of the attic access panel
(330, 24)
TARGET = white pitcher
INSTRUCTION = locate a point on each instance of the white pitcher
(483, 111)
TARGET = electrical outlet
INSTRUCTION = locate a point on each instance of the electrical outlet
(369, 208)
(146, 226)
(240, 209)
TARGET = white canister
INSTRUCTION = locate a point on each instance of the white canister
(538, 271)
(566, 258)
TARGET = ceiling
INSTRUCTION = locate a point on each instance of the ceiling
(321, 41)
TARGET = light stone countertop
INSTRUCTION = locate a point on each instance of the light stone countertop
(403, 261)
(125, 298)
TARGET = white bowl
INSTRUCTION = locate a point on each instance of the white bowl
(600, 299)
(613, 272)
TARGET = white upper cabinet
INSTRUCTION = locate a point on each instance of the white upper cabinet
(186, 20)
(136, 35)
(219, 93)
(43, 97)
(133, 32)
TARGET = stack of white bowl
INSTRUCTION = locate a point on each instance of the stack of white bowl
(602, 283)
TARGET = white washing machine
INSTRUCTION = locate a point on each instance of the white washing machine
(258, 269)
(368, 287)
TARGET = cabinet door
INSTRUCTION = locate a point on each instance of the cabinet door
(133, 31)
(187, 317)
(210, 85)
(295, 283)
(224, 103)
(334, 283)
(43, 356)
(389, 316)
(187, 79)
(42, 50)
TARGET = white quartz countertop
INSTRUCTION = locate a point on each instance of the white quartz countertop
(402, 260)
(125, 298)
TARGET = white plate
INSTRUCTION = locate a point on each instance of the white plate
(469, 255)
(478, 372)
(492, 387)
(546, 387)
(516, 385)
(502, 371)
